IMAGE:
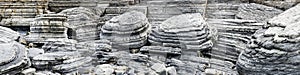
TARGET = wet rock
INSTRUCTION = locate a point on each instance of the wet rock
(13, 58)
(188, 32)
(48, 26)
(126, 31)
(257, 12)
(276, 53)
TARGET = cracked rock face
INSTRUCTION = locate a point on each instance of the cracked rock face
(189, 32)
(275, 49)
(127, 31)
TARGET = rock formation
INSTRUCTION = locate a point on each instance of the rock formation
(233, 35)
(257, 12)
(48, 26)
(20, 13)
(188, 32)
(274, 49)
(127, 31)
(13, 58)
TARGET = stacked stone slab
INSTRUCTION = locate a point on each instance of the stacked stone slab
(13, 58)
(233, 35)
(192, 65)
(48, 60)
(20, 12)
(48, 26)
(188, 32)
(84, 22)
(127, 31)
(161, 53)
(257, 12)
(53, 45)
(59, 5)
(274, 49)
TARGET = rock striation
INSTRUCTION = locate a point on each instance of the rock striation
(188, 32)
(126, 31)
(233, 35)
(8, 35)
(274, 49)
(13, 58)
(48, 26)
(257, 12)
(21, 12)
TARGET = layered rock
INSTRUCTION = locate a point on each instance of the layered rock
(161, 53)
(53, 45)
(48, 26)
(188, 32)
(257, 12)
(59, 5)
(192, 65)
(84, 22)
(233, 35)
(20, 12)
(13, 58)
(48, 60)
(8, 35)
(127, 31)
(274, 49)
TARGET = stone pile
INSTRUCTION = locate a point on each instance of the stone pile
(21, 12)
(188, 32)
(126, 31)
(48, 26)
(13, 58)
(274, 49)
(257, 12)
(233, 35)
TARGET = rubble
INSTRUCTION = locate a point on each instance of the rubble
(188, 32)
(126, 31)
(274, 49)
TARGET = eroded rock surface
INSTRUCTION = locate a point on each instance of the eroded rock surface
(126, 31)
(274, 49)
(189, 32)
